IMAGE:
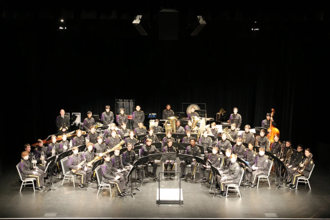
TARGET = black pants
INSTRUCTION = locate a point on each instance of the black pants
(154, 168)
(183, 165)
(255, 174)
(39, 177)
(120, 184)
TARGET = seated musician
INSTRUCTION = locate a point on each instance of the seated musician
(100, 146)
(224, 143)
(232, 132)
(247, 135)
(188, 127)
(89, 156)
(302, 169)
(226, 160)
(40, 153)
(123, 132)
(238, 148)
(215, 132)
(118, 166)
(141, 130)
(156, 127)
(107, 132)
(206, 142)
(113, 140)
(122, 117)
(187, 138)
(28, 171)
(64, 145)
(236, 119)
(192, 113)
(62, 122)
(51, 149)
(32, 158)
(286, 152)
(266, 123)
(92, 135)
(152, 136)
(138, 116)
(131, 139)
(179, 128)
(260, 167)
(129, 158)
(168, 112)
(249, 157)
(169, 163)
(263, 140)
(146, 150)
(216, 161)
(107, 117)
(109, 176)
(296, 157)
(88, 122)
(276, 146)
(168, 136)
(75, 162)
(193, 150)
(229, 176)
(78, 140)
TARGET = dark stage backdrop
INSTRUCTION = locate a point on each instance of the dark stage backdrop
(83, 70)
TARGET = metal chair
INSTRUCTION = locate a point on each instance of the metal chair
(236, 186)
(266, 176)
(67, 175)
(100, 183)
(26, 181)
(304, 179)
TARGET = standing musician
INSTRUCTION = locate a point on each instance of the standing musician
(303, 169)
(51, 149)
(224, 143)
(179, 128)
(266, 123)
(62, 122)
(74, 162)
(122, 117)
(40, 153)
(92, 135)
(141, 130)
(157, 129)
(117, 165)
(187, 138)
(169, 163)
(168, 136)
(138, 116)
(152, 136)
(107, 117)
(100, 146)
(168, 112)
(249, 157)
(27, 171)
(193, 150)
(238, 148)
(146, 150)
(89, 156)
(216, 160)
(113, 140)
(78, 140)
(131, 139)
(235, 118)
(109, 175)
(192, 113)
(88, 122)
(206, 142)
(233, 131)
(123, 132)
(230, 175)
(247, 135)
(260, 166)
(263, 140)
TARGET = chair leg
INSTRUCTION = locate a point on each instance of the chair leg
(309, 185)
(33, 186)
(297, 183)
(73, 181)
(98, 190)
(258, 182)
(110, 191)
(268, 182)
(21, 187)
(239, 192)
(227, 192)
(63, 180)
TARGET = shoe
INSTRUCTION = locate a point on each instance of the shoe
(38, 188)
(138, 180)
(204, 178)
(192, 177)
(293, 187)
(182, 176)
(223, 194)
(253, 186)
(88, 182)
(81, 185)
(121, 195)
(288, 185)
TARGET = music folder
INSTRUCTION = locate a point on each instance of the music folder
(215, 171)
(160, 135)
(153, 157)
(178, 136)
(50, 160)
(185, 157)
(169, 156)
(141, 137)
(200, 160)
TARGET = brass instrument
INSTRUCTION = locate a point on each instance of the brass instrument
(287, 159)
(228, 135)
(188, 110)
(80, 164)
(201, 128)
(194, 122)
(118, 146)
(301, 169)
(282, 150)
(170, 124)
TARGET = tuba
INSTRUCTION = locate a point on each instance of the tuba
(170, 124)
(194, 122)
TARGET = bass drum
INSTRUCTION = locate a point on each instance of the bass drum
(188, 110)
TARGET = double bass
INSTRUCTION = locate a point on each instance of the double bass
(272, 131)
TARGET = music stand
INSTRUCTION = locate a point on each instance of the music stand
(186, 157)
(141, 137)
(161, 136)
(141, 161)
(215, 172)
(280, 167)
(130, 179)
(169, 156)
(50, 160)
(243, 162)
(200, 160)
(178, 136)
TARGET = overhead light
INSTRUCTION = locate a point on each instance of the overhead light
(62, 20)
(199, 25)
(137, 24)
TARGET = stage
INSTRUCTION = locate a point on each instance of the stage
(71, 202)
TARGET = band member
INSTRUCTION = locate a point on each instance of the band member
(78, 140)
(187, 138)
(206, 142)
(216, 161)
(117, 165)
(193, 150)
(224, 143)
(223, 115)
(138, 116)
(235, 118)
(100, 146)
(285, 154)
(113, 140)
(109, 175)
(168, 112)
(88, 122)
(169, 163)
(168, 136)
(260, 167)
(74, 162)
(64, 145)
(157, 129)
(224, 166)
(40, 153)
(111, 127)
(62, 122)
(107, 117)
(266, 123)
(296, 157)
(129, 158)
(32, 158)
(89, 156)
(122, 117)
(152, 136)
(230, 176)
(146, 150)
(192, 113)
(247, 135)
(263, 140)
(188, 127)
(51, 149)
(238, 148)
(92, 136)
(233, 131)
(179, 128)
(141, 130)
(303, 169)
(276, 146)
(123, 132)
(131, 139)
(214, 130)
(249, 157)
(27, 171)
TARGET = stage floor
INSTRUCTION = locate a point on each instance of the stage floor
(67, 201)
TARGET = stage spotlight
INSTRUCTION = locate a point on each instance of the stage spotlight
(62, 20)
(137, 24)
(200, 23)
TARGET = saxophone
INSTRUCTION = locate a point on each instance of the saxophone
(301, 169)
(80, 164)
(288, 156)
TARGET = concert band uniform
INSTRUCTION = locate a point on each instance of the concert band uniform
(107, 117)
(73, 161)
(88, 122)
(216, 161)
(152, 136)
(193, 150)
(169, 163)
(78, 140)
(122, 117)
(62, 122)
(224, 143)
(168, 112)
(247, 136)
(146, 150)
(235, 118)
(138, 116)
(238, 148)
(266, 122)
